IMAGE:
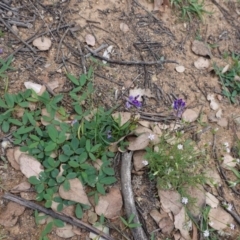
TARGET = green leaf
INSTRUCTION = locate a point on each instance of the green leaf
(23, 104)
(67, 150)
(124, 221)
(15, 122)
(34, 137)
(33, 180)
(78, 109)
(92, 156)
(108, 180)
(57, 98)
(5, 126)
(58, 223)
(73, 163)
(31, 119)
(66, 185)
(134, 225)
(47, 196)
(50, 147)
(100, 188)
(57, 199)
(79, 211)
(108, 171)
(23, 130)
(83, 79)
(130, 219)
(60, 207)
(9, 98)
(73, 79)
(88, 145)
(40, 187)
(74, 144)
(47, 229)
(83, 157)
(71, 175)
(60, 179)
(33, 145)
(53, 133)
(95, 148)
(90, 72)
(2, 104)
(63, 158)
(52, 183)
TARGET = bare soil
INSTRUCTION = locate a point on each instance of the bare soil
(151, 36)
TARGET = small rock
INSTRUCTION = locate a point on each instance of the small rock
(9, 13)
(180, 69)
(101, 228)
(15, 29)
(201, 63)
(65, 232)
(124, 27)
(223, 122)
(211, 200)
(189, 115)
(228, 161)
(200, 48)
(219, 113)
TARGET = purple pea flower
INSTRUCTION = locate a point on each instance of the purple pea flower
(179, 106)
(132, 101)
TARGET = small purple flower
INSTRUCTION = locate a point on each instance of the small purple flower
(1, 51)
(132, 101)
(179, 106)
(73, 122)
(109, 135)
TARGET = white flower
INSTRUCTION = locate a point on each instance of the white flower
(180, 146)
(184, 200)
(151, 136)
(229, 207)
(145, 162)
(211, 224)
(232, 226)
(171, 157)
(228, 150)
(206, 233)
(238, 160)
(226, 144)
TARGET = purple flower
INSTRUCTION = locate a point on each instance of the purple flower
(132, 101)
(109, 135)
(179, 106)
(73, 122)
(1, 51)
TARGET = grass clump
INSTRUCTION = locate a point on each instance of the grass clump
(176, 164)
(189, 8)
(230, 78)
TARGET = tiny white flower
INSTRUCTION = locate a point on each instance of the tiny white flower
(228, 150)
(229, 207)
(211, 224)
(232, 184)
(180, 146)
(206, 233)
(238, 160)
(151, 136)
(232, 226)
(171, 157)
(184, 200)
(145, 162)
(226, 144)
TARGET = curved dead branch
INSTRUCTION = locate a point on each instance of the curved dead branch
(128, 197)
